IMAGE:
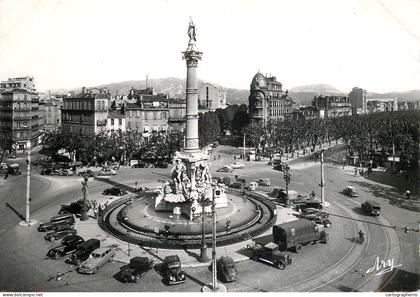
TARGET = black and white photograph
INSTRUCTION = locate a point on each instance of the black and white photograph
(209, 146)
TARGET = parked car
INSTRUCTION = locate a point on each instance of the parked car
(68, 245)
(271, 253)
(226, 269)
(107, 171)
(83, 251)
(96, 259)
(52, 236)
(14, 169)
(160, 164)
(350, 191)
(236, 185)
(371, 208)
(227, 169)
(137, 267)
(309, 203)
(50, 171)
(66, 172)
(74, 207)
(140, 165)
(115, 191)
(237, 165)
(264, 181)
(171, 271)
(63, 219)
(88, 173)
(316, 216)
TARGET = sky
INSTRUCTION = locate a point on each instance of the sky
(373, 44)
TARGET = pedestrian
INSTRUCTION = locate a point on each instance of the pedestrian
(234, 157)
(344, 163)
(219, 156)
(408, 194)
(106, 205)
(355, 171)
(6, 175)
(312, 195)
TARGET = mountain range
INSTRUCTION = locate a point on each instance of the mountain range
(303, 95)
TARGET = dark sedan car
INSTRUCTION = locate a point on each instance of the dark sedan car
(50, 171)
(75, 207)
(52, 236)
(350, 191)
(68, 245)
(115, 191)
(88, 173)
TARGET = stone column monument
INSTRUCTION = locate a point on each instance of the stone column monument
(191, 153)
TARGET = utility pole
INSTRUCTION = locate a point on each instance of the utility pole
(28, 186)
(322, 177)
(244, 146)
(84, 216)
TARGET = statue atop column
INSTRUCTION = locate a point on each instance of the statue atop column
(191, 31)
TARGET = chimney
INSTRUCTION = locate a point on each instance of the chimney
(83, 90)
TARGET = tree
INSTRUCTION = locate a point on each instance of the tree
(240, 119)
(208, 128)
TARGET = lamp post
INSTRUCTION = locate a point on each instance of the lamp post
(203, 250)
(84, 216)
(214, 286)
(128, 241)
(322, 177)
(287, 181)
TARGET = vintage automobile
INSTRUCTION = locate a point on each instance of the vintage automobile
(62, 220)
(68, 245)
(137, 267)
(371, 208)
(316, 216)
(237, 165)
(309, 203)
(14, 169)
(226, 269)
(236, 185)
(227, 169)
(350, 191)
(96, 259)
(88, 173)
(52, 236)
(264, 181)
(50, 171)
(74, 207)
(160, 164)
(115, 191)
(171, 270)
(66, 172)
(107, 171)
(270, 253)
(140, 164)
(83, 251)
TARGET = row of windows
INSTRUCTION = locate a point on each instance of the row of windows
(148, 115)
(119, 122)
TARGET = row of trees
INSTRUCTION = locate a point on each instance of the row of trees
(365, 136)
(113, 146)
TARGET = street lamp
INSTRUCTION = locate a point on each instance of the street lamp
(84, 216)
(287, 180)
(203, 250)
(128, 241)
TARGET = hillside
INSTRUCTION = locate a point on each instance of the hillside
(303, 95)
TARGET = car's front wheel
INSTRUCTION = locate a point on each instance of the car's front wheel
(281, 265)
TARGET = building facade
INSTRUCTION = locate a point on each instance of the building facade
(382, 104)
(332, 106)
(211, 97)
(267, 99)
(51, 111)
(116, 120)
(357, 99)
(149, 112)
(24, 83)
(177, 115)
(20, 119)
(86, 113)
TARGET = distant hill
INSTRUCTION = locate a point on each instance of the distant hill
(303, 95)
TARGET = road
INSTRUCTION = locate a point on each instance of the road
(27, 269)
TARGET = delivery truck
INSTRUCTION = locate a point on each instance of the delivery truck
(295, 234)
